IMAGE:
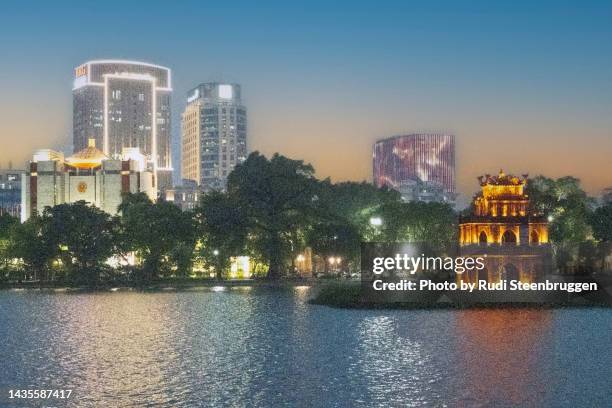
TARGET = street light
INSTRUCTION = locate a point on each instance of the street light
(215, 252)
(334, 260)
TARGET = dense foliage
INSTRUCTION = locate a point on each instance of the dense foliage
(274, 210)
(580, 231)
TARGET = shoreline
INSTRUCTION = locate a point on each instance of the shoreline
(334, 294)
(158, 285)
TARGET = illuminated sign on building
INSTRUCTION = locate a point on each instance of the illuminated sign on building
(225, 91)
(80, 71)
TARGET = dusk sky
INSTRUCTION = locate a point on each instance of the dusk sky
(525, 87)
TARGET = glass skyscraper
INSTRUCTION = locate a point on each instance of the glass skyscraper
(125, 104)
(213, 134)
(421, 166)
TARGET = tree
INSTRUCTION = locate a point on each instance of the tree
(355, 203)
(221, 230)
(434, 224)
(155, 232)
(334, 240)
(567, 207)
(600, 221)
(85, 236)
(35, 245)
(7, 223)
(278, 197)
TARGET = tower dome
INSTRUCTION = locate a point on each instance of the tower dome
(88, 158)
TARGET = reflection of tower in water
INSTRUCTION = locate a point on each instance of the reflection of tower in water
(501, 353)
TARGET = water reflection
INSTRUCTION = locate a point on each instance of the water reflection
(397, 369)
(117, 351)
(501, 354)
(268, 347)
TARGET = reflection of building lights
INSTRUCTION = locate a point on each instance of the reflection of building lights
(300, 258)
(551, 218)
(218, 288)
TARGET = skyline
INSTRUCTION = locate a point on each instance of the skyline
(523, 87)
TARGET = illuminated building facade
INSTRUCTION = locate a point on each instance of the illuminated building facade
(502, 228)
(10, 192)
(88, 175)
(213, 134)
(184, 196)
(420, 166)
(125, 104)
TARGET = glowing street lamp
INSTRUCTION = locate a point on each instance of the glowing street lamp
(334, 260)
(215, 252)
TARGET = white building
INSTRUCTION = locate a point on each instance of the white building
(213, 134)
(125, 104)
(88, 175)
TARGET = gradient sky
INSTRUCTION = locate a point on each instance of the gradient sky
(525, 87)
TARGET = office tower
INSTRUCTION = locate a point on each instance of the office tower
(125, 104)
(420, 166)
(213, 134)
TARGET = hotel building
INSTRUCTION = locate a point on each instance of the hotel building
(213, 134)
(420, 166)
(125, 104)
(88, 175)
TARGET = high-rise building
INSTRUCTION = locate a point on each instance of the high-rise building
(10, 191)
(213, 134)
(125, 104)
(420, 166)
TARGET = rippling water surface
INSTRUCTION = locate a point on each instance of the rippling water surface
(268, 347)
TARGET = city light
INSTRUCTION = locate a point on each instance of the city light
(334, 260)
(376, 221)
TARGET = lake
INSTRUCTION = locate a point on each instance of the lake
(268, 347)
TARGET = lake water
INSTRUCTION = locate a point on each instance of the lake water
(268, 347)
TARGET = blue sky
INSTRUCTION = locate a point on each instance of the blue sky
(524, 86)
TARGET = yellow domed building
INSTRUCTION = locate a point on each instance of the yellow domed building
(503, 229)
(88, 175)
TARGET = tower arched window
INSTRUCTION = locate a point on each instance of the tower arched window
(482, 238)
(509, 237)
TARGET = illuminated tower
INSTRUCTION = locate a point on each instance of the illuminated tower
(125, 104)
(420, 166)
(213, 134)
(502, 227)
